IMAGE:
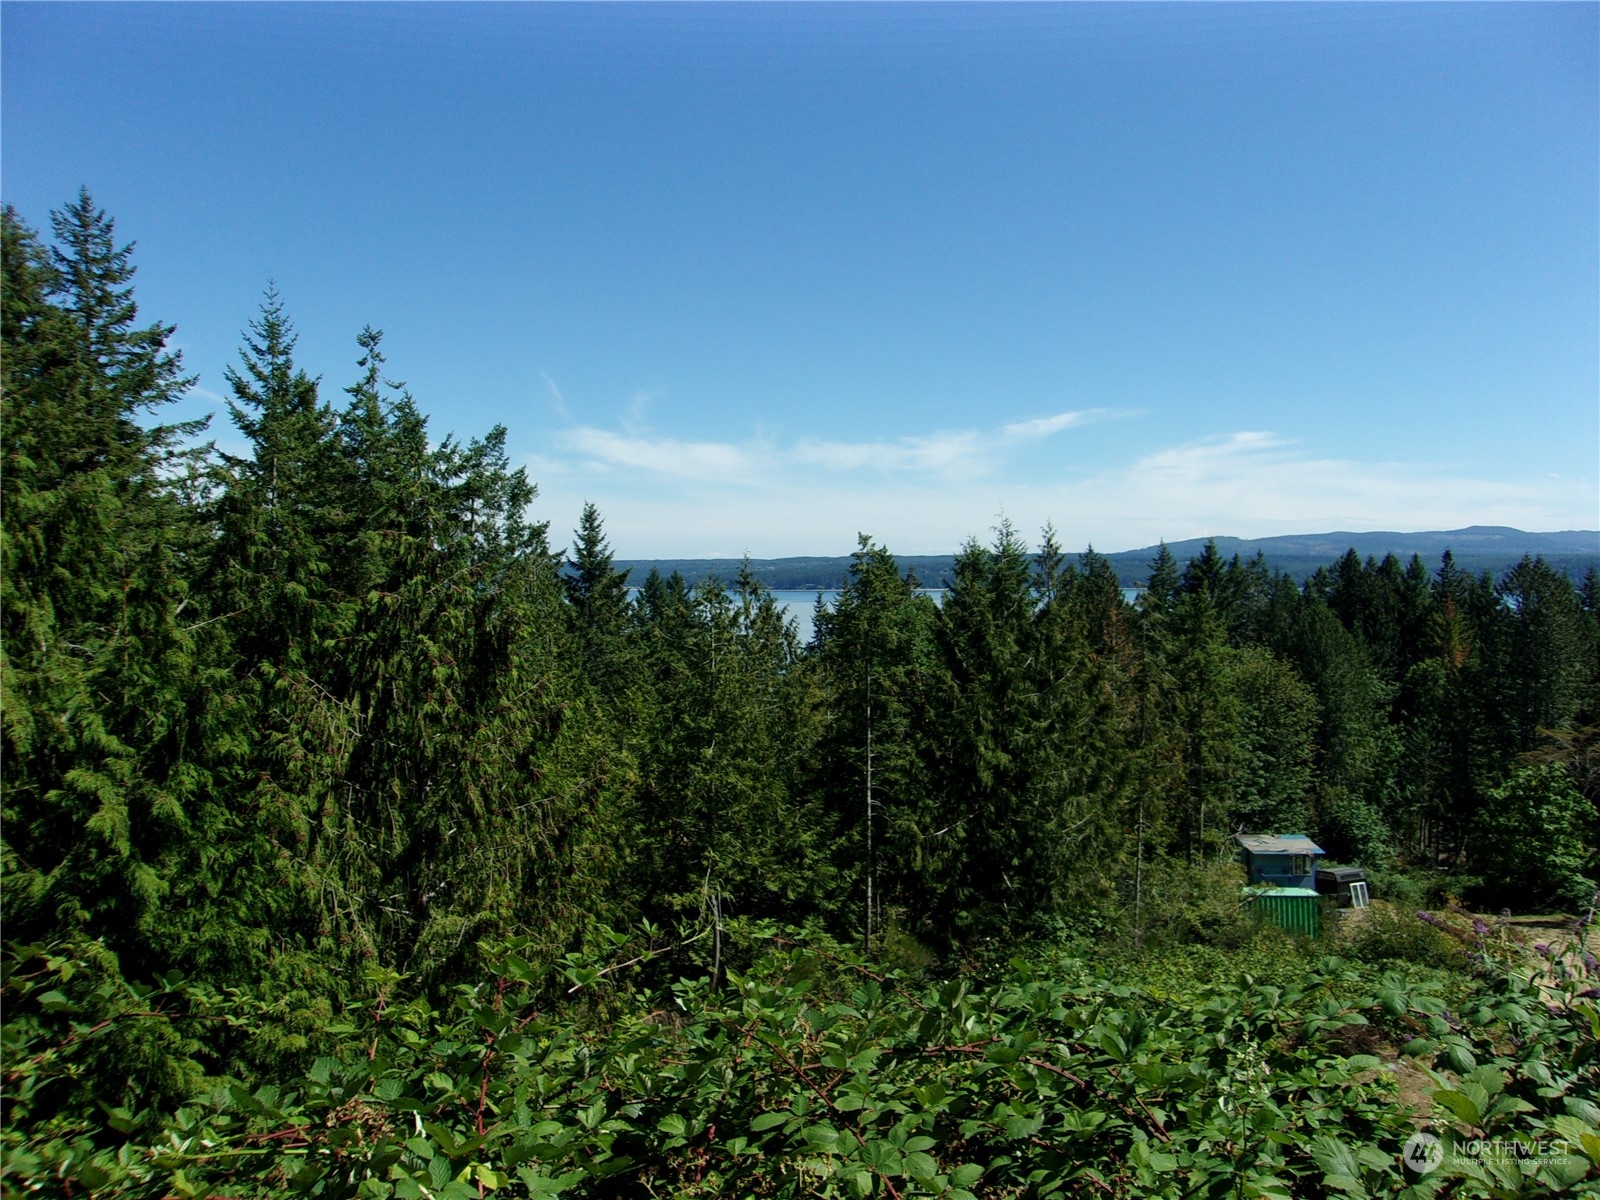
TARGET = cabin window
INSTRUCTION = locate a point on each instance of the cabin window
(1300, 864)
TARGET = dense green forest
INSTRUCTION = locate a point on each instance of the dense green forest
(329, 775)
(1477, 548)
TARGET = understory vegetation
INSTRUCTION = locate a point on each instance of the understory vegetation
(813, 1073)
(359, 842)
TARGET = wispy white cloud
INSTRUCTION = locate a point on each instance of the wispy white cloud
(1256, 483)
(948, 454)
(557, 400)
(603, 449)
(206, 395)
(966, 452)
(1214, 454)
(961, 450)
(1042, 427)
(633, 414)
(664, 497)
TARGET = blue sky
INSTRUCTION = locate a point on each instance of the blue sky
(755, 278)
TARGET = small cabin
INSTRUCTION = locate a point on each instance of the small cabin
(1279, 860)
(1282, 869)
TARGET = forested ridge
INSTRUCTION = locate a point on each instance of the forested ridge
(1476, 549)
(356, 827)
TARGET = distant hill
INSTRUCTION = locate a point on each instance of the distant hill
(1492, 548)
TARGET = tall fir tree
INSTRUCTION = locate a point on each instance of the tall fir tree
(598, 594)
(1205, 710)
(873, 649)
(726, 825)
(99, 550)
(1019, 752)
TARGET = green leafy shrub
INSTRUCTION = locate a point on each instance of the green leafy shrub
(814, 1074)
(1389, 933)
(1420, 888)
(1189, 904)
(79, 1039)
(1355, 830)
(1406, 889)
(897, 949)
(1531, 842)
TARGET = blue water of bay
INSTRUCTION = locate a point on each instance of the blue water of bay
(800, 604)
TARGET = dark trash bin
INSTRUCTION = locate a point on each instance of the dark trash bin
(1346, 886)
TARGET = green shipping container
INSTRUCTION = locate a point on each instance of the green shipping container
(1294, 909)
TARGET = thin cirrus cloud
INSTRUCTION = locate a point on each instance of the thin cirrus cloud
(945, 452)
(604, 450)
(1255, 483)
(965, 453)
(671, 498)
(1043, 427)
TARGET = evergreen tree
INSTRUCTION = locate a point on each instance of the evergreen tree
(1162, 588)
(1207, 575)
(723, 823)
(1205, 709)
(1357, 749)
(1253, 588)
(1275, 743)
(281, 506)
(1020, 755)
(1097, 596)
(411, 783)
(129, 369)
(599, 598)
(1534, 842)
(98, 550)
(1446, 713)
(1547, 659)
(466, 804)
(873, 650)
(1156, 767)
